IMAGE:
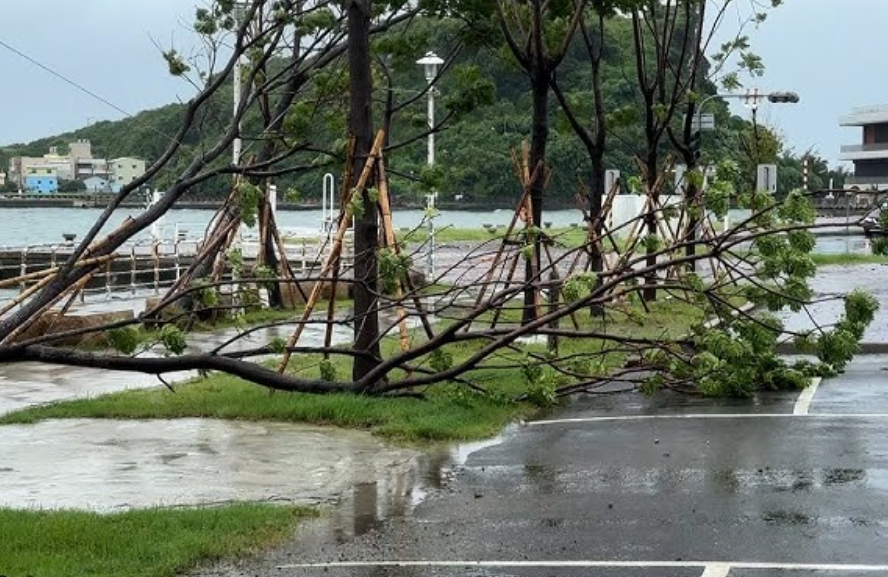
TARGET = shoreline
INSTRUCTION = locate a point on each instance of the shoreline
(101, 202)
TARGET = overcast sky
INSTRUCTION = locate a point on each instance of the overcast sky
(829, 51)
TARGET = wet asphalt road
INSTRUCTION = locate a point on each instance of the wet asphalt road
(658, 488)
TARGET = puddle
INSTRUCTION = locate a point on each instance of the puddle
(396, 493)
(115, 465)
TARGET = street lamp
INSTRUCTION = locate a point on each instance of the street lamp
(430, 63)
(753, 98)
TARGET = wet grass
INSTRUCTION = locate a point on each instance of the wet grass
(448, 412)
(145, 543)
(446, 415)
(847, 259)
(567, 236)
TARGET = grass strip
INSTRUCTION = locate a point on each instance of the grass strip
(141, 543)
(847, 259)
(446, 415)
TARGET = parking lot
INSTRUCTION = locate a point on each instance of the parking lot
(786, 484)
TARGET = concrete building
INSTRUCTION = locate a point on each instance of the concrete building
(78, 164)
(870, 156)
(41, 180)
(125, 170)
(20, 166)
(90, 167)
(80, 149)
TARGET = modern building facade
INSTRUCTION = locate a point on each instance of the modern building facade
(870, 156)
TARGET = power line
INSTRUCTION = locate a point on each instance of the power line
(79, 87)
(65, 79)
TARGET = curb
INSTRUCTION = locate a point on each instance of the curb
(789, 348)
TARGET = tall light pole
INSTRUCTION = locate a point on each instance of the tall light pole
(430, 63)
(237, 82)
(753, 98)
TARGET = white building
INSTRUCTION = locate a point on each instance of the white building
(125, 170)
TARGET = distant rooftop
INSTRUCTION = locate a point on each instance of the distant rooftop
(865, 115)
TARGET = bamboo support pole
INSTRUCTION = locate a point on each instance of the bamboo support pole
(391, 242)
(75, 288)
(494, 266)
(54, 270)
(25, 295)
(335, 250)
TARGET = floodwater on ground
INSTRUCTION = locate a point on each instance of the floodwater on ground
(115, 465)
(839, 280)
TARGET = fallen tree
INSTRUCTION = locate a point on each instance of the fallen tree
(714, 332)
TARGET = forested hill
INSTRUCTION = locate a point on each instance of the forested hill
(473, 152)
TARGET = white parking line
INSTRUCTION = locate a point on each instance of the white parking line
(718, 570)
(711, 569)
(708, 416)
(803, 403)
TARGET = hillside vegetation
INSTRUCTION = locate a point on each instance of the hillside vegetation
(473, 149)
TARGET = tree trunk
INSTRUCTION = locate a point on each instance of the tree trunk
(650, 220)
(360, 123)
(538, 140)
(596, 200)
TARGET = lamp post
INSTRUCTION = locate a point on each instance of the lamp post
(430, 63)
(753, 98)
(237, 82)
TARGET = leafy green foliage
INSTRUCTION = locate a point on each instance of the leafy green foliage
(124, 339)
(393, 268)
(235, 258)
(175, 63)
(173, 339)
(471, 90)
(578, 286)
(880, 243)
(249, 196)
(278, 345)
(541, 383)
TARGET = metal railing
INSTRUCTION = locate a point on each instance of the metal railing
(137, 268)
(149, 265)
(875, 147)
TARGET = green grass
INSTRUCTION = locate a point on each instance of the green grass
(145, 543)
(446, 415)
(449, 412)
(847, 259)
(568, 236)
